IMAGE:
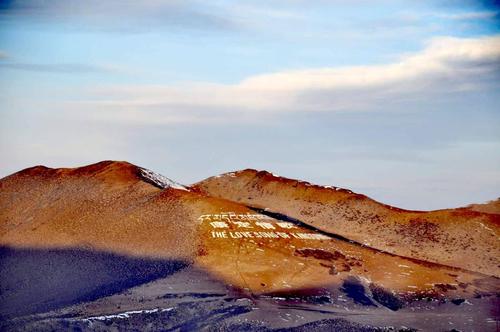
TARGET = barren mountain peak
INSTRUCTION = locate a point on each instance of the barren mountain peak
(492, 207)
(88, 169)
(106, 170)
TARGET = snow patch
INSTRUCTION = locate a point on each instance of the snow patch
(126, 314)
(160, 180)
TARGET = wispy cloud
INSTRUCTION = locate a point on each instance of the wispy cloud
(446, 65)
(482, 15)
(120, 15)
(64, 68)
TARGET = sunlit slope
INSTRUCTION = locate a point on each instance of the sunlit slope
(457, 237)
(112, 207)
(105, 206)
(263, 255)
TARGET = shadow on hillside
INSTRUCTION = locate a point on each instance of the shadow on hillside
(39, 280)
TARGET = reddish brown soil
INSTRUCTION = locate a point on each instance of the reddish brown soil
(108, 207)
(465, 237)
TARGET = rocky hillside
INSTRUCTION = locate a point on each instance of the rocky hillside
(109, 241)
(466, 238)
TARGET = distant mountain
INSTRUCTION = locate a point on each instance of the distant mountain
(110, 241)
(489, 207)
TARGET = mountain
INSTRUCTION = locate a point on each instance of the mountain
(492, 207)
(116, 245)
(443, 236)
(103, 206)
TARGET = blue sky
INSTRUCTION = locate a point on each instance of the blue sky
(394, 99)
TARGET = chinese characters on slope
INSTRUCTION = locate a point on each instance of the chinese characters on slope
(226, 225)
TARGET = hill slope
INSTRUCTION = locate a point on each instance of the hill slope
(83, 234)
(457, 237)
(492, 207)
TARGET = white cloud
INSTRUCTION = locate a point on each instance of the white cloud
(439, 57)
(445, 65)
